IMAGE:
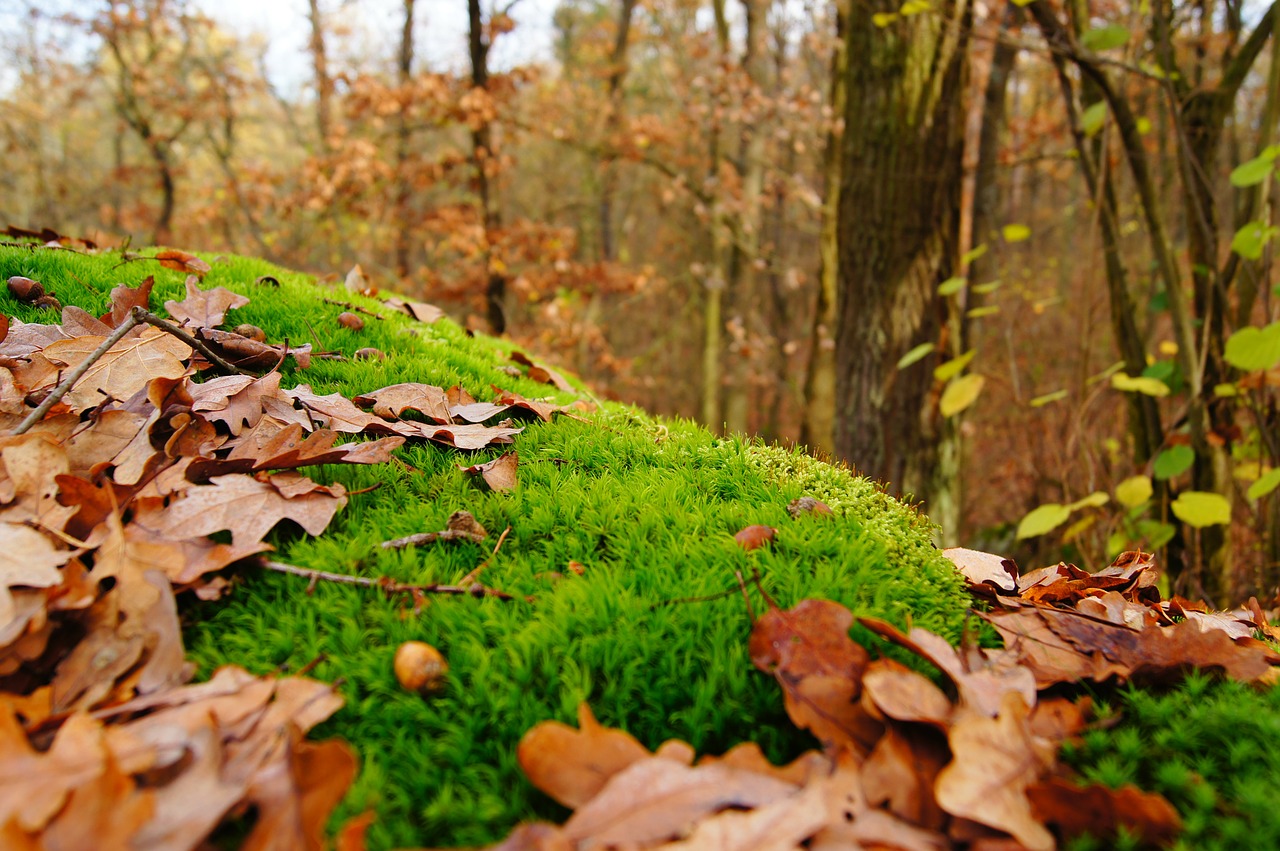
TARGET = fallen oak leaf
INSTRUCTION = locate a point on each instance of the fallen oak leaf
(573, 765)
(659, 799)
(457, 436)
(249, 507)
(182, 261)
(125, 298)
(819, 667)
(245, 353)
(123, 370)
(28, 559)
(34, 785)
(1099, 811)
(995, 761)
(204, 308)
(390, 402)
(981, 568)
(499, 474)
(288, 449)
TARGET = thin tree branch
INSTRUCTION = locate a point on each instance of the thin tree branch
(387, 585)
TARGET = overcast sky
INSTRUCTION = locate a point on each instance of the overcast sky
(441, 31)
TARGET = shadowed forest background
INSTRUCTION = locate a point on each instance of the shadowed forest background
(1013, 259)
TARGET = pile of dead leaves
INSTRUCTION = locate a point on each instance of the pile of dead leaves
(906, 764)
(116, 467)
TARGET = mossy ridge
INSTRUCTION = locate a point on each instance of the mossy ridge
(648, 506)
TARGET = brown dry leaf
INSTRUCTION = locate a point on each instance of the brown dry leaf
(248, 354)
(26, 338)
(779, 826)
(982, 689)
(204, 308)
(656, 799)
(753, 537)
(125, 369)
(4, 327)
(904, 695)
(391, 402)
(337, 412)
(295, 794)
(125, 298)
(475, 412)
(809, 652)
(996, 759)
(808, 505)
(358, 282)
(900, 774)
(1060, 645)
(182, 261)
(249, 507)
(518, 403)
(499, 474)
(104, 813)
(1099, 811)
(458, 436)
(35, 785)
(981, 568)
(78, 322)
(28, 559)
(288, 449)
(419, 310)
(541, 373)
(572, 766)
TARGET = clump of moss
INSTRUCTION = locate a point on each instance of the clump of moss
(1209, 746)
(649, 508)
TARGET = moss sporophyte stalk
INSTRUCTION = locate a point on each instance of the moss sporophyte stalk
(617, 518)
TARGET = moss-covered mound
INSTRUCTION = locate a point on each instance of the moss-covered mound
(648, 507)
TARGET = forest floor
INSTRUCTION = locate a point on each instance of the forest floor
(178, 590)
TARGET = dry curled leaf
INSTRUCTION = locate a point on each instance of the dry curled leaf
(499, 474)
(573, 765)
(182, 261)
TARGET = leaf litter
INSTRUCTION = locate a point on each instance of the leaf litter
(109, 500)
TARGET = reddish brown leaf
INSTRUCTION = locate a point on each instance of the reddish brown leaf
(391, 402)
(204, 308)
(572, 766)
(1101, 812)
(499, 474)
(754, 537)
(181, 261)
(125, 298)
(809, 652)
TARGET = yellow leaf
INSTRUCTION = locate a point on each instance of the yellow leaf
(960, 394)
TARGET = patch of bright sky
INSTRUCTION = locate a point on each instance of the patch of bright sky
(440, 32)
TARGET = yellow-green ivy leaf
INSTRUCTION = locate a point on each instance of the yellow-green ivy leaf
(1142, 384)
(1015, 233)
(987, 310)
(1173, 461)
(955, 366)
(973, 254)
(1225, 390)
(914, 7)
(960, 394)
(1254, 349)
(1201, 508)
(1144, 126)
(1264, 485)
(1134, 491)
(918, 353)
(1092, 119)
(1097, 499)
(1254, 171)
(1043, 519)
(1105, 38)
(951, 286)
(883, 19)
(987, 288)
(1252, 238)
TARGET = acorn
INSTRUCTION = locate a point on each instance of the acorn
(48, 300)
(350, 320)
(370, 353)
(253, 332)
(420, 668)
(25, 289)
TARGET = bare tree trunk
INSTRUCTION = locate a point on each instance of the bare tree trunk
(404, 227)
(898, 228)
(613, 119)
(320, 66)
(818, 429)
(721, 252)
(481, 157)
(743, 265)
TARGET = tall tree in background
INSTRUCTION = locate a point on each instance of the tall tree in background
(483, 157)
(404, 187)
(898, 228)
(320, 67)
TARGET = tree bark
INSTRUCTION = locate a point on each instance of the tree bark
(481, 156)
(898, 228)
(320, 67)
(613, 120)
(404, 189)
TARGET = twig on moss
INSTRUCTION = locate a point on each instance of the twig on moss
(389, 586)
(751, 612)
(194, 342)
(349, 306)
(719, 595)
(472, 577)
(76, 374)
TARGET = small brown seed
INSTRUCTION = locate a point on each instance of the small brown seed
(370, 353)
(350, 320)
(25, 289)
(48, 301)
(420, 667)
(253, 332)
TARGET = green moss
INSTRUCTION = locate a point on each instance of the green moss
(648, 506)
(1209, 746)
